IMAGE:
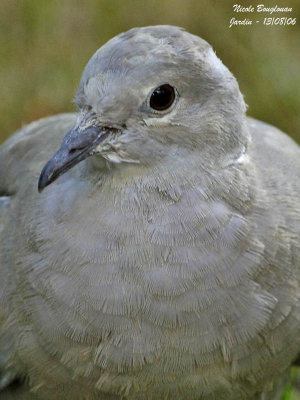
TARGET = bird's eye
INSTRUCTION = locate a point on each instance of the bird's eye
(162, 97)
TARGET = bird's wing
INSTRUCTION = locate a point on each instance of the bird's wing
(21, 158)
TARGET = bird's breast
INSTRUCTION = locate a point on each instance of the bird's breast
(142, 281)
(133, 263)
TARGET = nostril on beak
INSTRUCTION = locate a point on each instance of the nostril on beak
(75, 149)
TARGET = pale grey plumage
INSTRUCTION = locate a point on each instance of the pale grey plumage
(167, 264)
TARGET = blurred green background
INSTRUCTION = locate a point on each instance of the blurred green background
(45, 44)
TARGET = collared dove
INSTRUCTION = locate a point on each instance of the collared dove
(163, 261)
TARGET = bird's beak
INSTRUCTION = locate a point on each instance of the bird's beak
(77, 145)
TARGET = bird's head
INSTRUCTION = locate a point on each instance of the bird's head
(154, 97)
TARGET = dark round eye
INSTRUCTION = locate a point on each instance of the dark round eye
(162, 97)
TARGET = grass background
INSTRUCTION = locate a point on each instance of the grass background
(45, 44)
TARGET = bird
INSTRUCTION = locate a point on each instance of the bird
(149, 243)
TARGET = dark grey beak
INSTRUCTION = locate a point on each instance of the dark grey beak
(77, 145)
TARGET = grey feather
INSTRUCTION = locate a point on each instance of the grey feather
(163, 260)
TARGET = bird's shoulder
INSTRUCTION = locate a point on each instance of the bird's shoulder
(273, 148)
(29, 148)
(21, 159)
(277, 161)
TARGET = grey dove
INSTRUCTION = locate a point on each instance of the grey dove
(161, 258)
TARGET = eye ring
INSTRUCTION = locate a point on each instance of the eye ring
(162, 97)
